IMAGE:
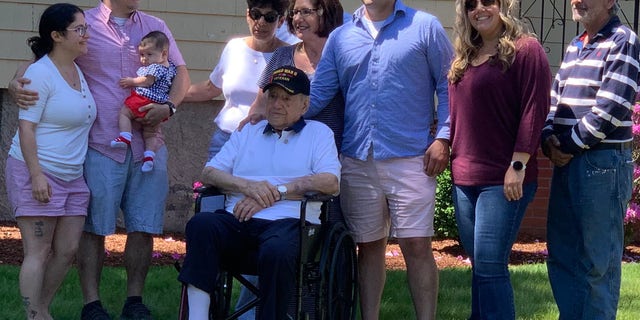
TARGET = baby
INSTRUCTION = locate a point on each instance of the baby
(152, 85)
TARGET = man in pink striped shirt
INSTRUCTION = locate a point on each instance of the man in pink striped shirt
(113, 175)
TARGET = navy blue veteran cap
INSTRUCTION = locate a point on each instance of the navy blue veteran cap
(291, 79)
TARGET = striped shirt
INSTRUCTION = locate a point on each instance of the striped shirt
(593, 93)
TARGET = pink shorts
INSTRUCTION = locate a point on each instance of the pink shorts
(68, 198)
(382, 198)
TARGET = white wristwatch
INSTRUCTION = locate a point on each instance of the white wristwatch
(282, 189)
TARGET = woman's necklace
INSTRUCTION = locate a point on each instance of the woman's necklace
(69, 74)
(484, 53)
(310, 57)
(72, 78)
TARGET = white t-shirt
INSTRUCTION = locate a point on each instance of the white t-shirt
(237, 75)
(64, 116)
(255, 155)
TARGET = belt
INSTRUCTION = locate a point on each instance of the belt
(612, 146)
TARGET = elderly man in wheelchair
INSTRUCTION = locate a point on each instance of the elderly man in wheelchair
(261, 169)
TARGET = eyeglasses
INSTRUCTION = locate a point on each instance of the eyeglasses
(81, 30)
(305, 12)
(471, 5)
(269, 17)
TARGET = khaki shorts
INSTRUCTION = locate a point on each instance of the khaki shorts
(382, 198)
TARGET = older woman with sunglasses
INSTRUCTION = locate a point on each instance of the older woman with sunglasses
(240, 64)
(499, 86)
(44, 170)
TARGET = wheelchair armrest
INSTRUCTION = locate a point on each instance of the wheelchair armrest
(209, 199)
(208, 190)
(317, 196)
(310, 195)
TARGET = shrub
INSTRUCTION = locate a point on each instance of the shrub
(444, 219)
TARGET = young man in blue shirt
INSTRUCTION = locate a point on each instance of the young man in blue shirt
(389, 64)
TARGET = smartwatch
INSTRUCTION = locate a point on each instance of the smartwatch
(282, 189)
(172, 107)
(518, 165)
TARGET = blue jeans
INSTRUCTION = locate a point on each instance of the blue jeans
(488, 225)
(585, 232)
(218, 140)
(216, 237)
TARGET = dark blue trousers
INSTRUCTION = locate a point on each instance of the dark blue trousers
(217, 238)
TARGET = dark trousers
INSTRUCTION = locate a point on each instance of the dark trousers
(217, 238)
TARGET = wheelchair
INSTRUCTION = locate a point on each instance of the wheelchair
(326, 279)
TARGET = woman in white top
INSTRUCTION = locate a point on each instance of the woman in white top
(44, 169)
(239, 67)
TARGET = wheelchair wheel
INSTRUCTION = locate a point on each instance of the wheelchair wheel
(339, 275)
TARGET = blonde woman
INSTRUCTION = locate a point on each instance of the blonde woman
(499, 96)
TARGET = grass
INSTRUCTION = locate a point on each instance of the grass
(533, 294)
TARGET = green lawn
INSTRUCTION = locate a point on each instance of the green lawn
(533, 294)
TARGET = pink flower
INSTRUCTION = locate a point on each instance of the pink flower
(632, 213)
(392, 253)
(196, 184)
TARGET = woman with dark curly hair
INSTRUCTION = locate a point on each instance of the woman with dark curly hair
(311, 21)
(44, 171)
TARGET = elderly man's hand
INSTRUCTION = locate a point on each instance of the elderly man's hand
(245, 209)
(551, 149)
(155, 114)
(24, 98)
(436, 158)
(263, 192)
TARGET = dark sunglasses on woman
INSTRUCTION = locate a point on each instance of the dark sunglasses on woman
(471, 5)
(269, 17)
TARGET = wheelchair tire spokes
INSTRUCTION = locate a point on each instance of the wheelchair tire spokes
(339, 281)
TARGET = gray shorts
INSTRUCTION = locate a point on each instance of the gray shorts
(115, 186)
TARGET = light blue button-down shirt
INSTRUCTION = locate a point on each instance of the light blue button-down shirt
(389, 83)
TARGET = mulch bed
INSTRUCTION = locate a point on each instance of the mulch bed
(170, 247)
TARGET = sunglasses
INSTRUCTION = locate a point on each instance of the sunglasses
(81, 30)
(471, 5)
(269, 17)
(305, 12)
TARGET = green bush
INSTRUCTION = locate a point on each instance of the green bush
(444, 219)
